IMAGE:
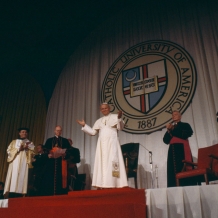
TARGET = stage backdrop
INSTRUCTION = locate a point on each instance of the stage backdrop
(193, 25)
(22, 105)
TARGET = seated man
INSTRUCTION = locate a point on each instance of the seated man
(73, 155)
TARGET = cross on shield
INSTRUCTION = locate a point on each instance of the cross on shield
(145, 85)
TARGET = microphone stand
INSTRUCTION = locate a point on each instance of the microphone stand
(156, 175)
(151, 165)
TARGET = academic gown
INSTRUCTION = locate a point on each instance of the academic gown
(179, 150)
(19, 161)
(73, 157)
(38, 170)
(53, 172)
(108, 153)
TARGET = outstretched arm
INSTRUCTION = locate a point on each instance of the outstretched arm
(81, 122)
(85, 128)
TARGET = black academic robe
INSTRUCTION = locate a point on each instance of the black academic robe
(73, 157)
(1, 194)
(38, 170)
(176, 152)
(52, 178)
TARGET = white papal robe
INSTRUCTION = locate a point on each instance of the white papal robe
(19, 161)
(108, 151)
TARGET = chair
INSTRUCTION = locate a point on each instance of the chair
(130, 153)
(205, 170)
(78, 182)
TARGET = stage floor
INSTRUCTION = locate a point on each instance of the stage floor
(177, 202)
(125, 202)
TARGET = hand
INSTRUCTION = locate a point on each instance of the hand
(169, 126)
(26, 145)
(120, 113)
(21, 147)
(49, 155)
(81, 122)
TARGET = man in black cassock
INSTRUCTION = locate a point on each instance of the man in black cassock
(55, 174)
(177, 136)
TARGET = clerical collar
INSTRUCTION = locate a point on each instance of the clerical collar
(175, 123)
(107, 115)
(57, 136)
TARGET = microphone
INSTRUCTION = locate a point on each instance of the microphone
(150, 157)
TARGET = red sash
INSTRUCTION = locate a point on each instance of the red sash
(64, 173)
(64, 170)
(187, 150)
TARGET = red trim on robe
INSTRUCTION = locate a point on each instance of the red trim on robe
(64, 173)
(63, 169)
(187, 150)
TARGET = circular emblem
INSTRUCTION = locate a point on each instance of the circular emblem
(149, 81)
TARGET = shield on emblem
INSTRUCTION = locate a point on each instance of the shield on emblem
(144, 86)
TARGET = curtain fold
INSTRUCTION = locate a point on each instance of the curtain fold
(191, 24)
(22, 105)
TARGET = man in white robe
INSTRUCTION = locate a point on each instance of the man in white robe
(19, 157)
(109, 170)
